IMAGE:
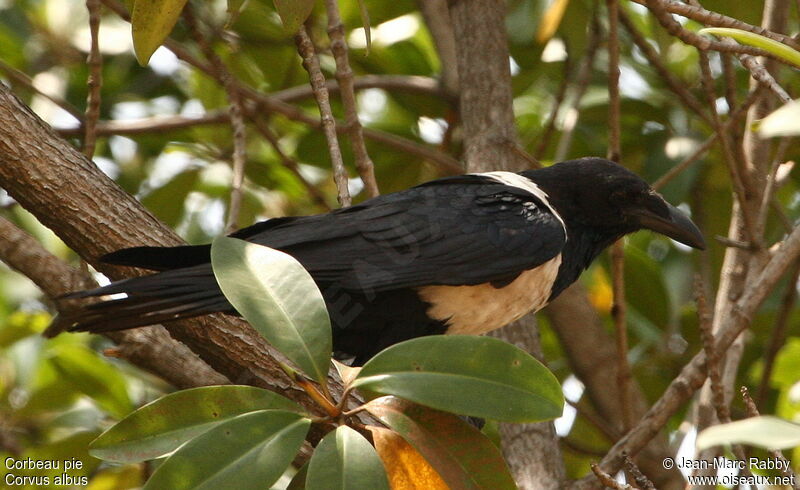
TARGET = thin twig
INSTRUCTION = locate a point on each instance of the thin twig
(709, 18)
(581, 85)
(412, 84)
(608, 480)
(771, 185)
(641, 481)
(740, 112)
(311, 63)
(344, 75)
(702, 42)
(764, 77)
(146, 125)
(236, 113)
(94, 81)
(712, 356)
(728, 150)
(288, 162)
(729, 73)
(552, 118)
(673, 83)
(693, 373)
(618, 310)
(264, 102)
(24, 80)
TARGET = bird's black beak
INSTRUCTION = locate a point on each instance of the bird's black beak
(677, 226)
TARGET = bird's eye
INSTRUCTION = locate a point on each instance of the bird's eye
(622, 195)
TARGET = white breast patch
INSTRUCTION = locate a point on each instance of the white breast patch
(481, 308)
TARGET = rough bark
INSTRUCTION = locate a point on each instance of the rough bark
(437, 18)
(58, 185)
(741, 266)
(152, 349)
(490, 137)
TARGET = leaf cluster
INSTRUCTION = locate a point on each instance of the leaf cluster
(241, 436)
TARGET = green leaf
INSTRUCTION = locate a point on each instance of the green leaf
(250, 451)
(462, 456)
(92, 375)
(279, 299)
(362, 9)
(151, 23)
(160, 427)
(785, 121)
(293, 13)
(645, 287)
(752, 39)
(345, 460)
(478, 376)
(766, 431)
(166, 202)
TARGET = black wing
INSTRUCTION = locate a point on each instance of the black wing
(461, 231)
(458, 231)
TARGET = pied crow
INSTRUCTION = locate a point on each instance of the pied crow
(463, 255)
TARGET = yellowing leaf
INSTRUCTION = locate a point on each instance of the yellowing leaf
(151, 23)
(347, 373)
(463, 457)
(405, 467)
(551, 20)
(600, 293)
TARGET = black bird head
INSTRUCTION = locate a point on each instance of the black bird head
(597, 194)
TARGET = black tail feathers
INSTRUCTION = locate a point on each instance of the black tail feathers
(160, 258)
(158, 298)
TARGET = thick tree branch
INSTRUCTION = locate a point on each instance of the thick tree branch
(693, 374)
(151, 349)
(58, 184)
(491, 139)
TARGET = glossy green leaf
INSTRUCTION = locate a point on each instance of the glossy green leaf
(293, 13)
(250, 451)
(160, 427)
(87, 372)
(785, 121)
(279, 299)
(345, 460)
(645, 287)
(766, 431)
(151, 23)
(462, 456)
(478, 376)
(752, 39)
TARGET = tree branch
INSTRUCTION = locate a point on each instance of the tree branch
(151, 349)
(57, 184)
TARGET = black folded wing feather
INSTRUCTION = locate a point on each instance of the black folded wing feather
(464, 230)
